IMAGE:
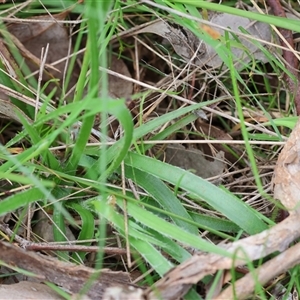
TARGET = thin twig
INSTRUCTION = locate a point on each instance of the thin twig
(27, 245)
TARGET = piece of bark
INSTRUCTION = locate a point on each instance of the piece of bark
(70, 277)
(286, 178)
(28, 290)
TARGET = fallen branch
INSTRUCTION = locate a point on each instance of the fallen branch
(278, 238)
(70, 277)
(177, 281)
(27, 245)
(269, 270)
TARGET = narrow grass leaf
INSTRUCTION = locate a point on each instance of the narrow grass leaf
(87, 228)
(163, 195)
(288, 122)
(173, 128)
(210, 223)
(21, 179)
(118, 222)
(224, 202)
(157, 261)
(171, 247)
(119, 150)
(20, 199)
(169, 230)
(59, 230)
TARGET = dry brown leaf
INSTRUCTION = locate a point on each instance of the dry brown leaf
(7, 60)
(26, 54)
(33, 36)
(44, 228)
(118, 87)
(184, 42)
(212, 131)
(215, 133)
(194, 159)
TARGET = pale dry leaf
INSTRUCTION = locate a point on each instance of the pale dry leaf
(7, 92)
(44, 228)
(123, 293)
(286, 178)
(184, 42)
(244, 52)
(10, 111)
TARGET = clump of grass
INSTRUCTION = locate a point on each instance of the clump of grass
(154, 208)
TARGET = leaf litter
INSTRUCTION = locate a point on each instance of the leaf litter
(31, 36)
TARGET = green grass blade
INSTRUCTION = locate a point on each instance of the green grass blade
(118, 222)
(210, 223)
(119, 150)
